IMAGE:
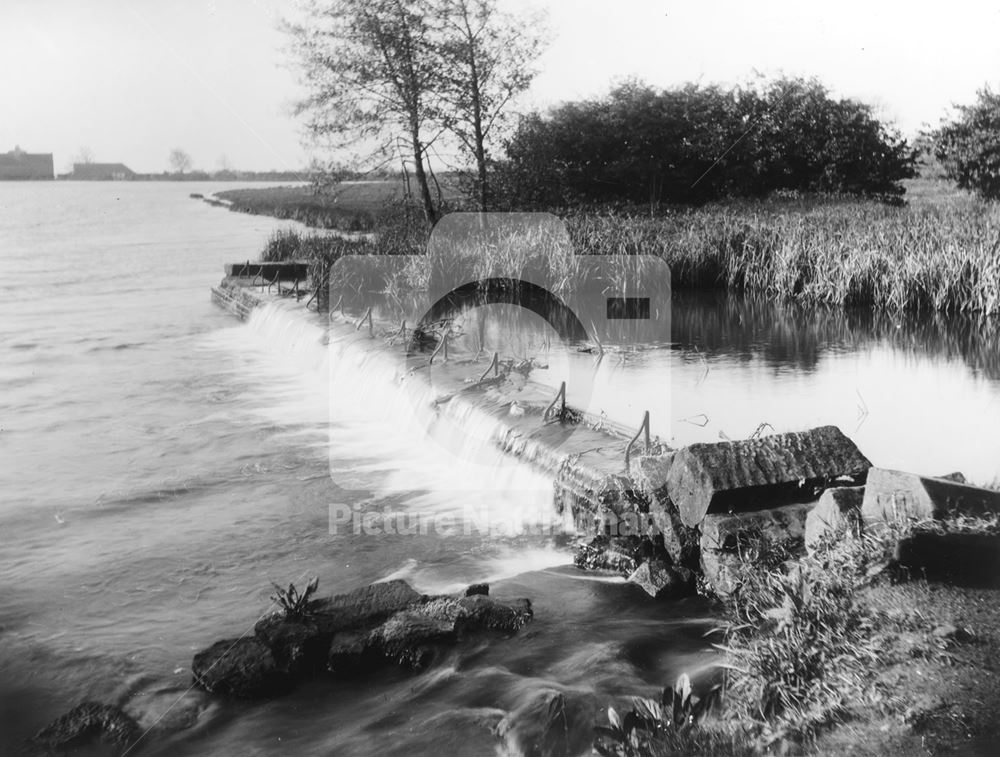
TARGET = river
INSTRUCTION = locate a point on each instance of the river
(162, 463)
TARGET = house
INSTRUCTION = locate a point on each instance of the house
(18, 164)
(101, 172)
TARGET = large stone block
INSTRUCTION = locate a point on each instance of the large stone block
(898, 497)
(837, 512)
(729, 538)
(757, 473)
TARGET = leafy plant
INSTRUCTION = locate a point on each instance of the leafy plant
(650, 722)
(294, 604)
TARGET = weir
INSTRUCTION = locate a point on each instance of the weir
(585, 456)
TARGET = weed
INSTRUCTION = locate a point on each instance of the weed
(295, 605)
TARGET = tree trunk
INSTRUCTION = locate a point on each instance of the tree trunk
(430, 213)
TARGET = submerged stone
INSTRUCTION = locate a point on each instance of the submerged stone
(762, 472)
(619, 554)
(87, 723)
(550, 723)
(366, 606)
(243, 668)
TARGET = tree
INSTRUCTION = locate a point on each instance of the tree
(180, 161)
(84, 155)
(486, 61)
(969, 146)
(694, 144)
(373, 77)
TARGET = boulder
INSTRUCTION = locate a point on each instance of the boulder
(728, 539)
(298, 646)
(662, 581)
(480, 612)
(972, 559)
(410, 638)
(898, 497)
(761, 472)
(679, 541)
(362, 607)
(243, 668)
(838, 511)
(87, 723)
(619, 554)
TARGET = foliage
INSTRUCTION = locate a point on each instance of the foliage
(294, 605)
(653, 725)
(390, 77)
(694, 144)
(180, 161)
(372, 75)
(801, 645)
(486, 61)
(969, 146)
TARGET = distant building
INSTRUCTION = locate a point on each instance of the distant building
(101, 172)
(18, 164)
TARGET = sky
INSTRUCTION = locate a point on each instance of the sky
(132, 79)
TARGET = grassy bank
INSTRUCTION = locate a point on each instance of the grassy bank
(349, 207)
(839, 651)
(939, 253)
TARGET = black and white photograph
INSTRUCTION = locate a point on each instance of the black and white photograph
(499, 378)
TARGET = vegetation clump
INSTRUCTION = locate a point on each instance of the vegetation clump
(295, 604)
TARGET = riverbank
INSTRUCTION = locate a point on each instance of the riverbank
(935, 254)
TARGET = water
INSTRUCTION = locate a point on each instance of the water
(161, 463)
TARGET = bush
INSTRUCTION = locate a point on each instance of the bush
(969, 147)
(695, 144)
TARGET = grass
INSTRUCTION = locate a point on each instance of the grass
(941, 253)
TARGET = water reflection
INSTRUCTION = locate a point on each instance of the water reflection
(789, 335)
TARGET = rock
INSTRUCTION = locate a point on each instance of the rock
(550, 723)
(966, 558)
(958, 477)
(679, 541)
(481, 612)
(87, 723)
(348, 652)
(620, 554)
(167, 710)
(409, 638)
(298, 646)
(895, 496)
(727, 538)
(662, 581)
(243, 668)
(362, 607)
(837, 512)
(761, 472)
(475, 589)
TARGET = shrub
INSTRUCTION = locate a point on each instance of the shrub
(969, 146)
(695, 144)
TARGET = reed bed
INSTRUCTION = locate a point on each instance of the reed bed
(927, 257)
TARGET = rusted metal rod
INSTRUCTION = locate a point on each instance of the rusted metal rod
(493, 366)
(628, 449)
(560, 395)
(367, 317)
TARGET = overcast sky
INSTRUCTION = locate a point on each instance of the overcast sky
(132, 79)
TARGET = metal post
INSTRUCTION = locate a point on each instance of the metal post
(628, 448)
